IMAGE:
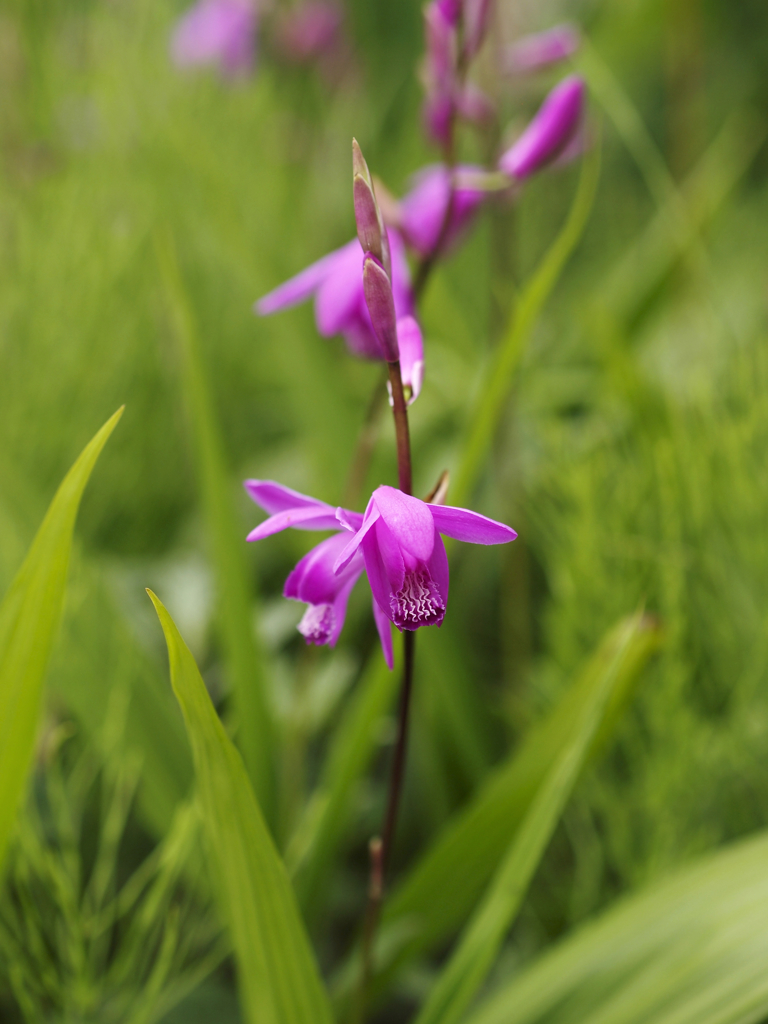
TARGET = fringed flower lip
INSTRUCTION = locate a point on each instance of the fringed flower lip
(397, 542)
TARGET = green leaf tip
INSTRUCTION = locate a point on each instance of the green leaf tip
(30, 614)
(278, 976)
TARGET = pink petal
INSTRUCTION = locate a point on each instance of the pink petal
(549, 132)
(438, 568)
(461, 524)
(304, 518)
(338, 296)
(369, 520)
(409, 520)
(384, 628)
(533, 52)
(381, 588)
(313, 579)
(300, 287)
(411, 345)
(274, 497)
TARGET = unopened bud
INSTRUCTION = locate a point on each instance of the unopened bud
(370, 225)
(540, 50)
(381, 306)
(477, 16)
(549, 133)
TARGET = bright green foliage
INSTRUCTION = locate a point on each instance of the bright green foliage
(29, 621)
(244, 659)
(467, 854)
(277, 973)
(690, 950)
(479, 944)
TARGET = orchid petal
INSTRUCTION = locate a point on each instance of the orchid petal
(305, 518)
(462, 524)
(550, 131)
(369, 520)
(384, 628)
(313, 579)
(438, 569)
(381, 588)
(391, 555)
(351, 521)
(300, 287)
(411, 345)
(409, 519)
(274, 497)
(338, 296)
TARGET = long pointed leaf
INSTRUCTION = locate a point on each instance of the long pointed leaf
(468, 967)
(29, 619)
(245, 661)
(464, 856)
(278, 977)
(691, 949)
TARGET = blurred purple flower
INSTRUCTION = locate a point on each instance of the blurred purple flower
(477, 17)
(421, 212)
(404, 554)
(550, 133)
(411, 347)
(531, 53)
(313, 580)
(305, 32)
(221, 32)
(336, 281)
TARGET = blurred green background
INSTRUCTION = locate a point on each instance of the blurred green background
(631, 457)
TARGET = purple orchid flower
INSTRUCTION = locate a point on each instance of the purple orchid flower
(314, 580)
(550, 132)
(221, 32)
(404, 555)
(540, 50)
(421, 212)
(337, 284)
(397, 542)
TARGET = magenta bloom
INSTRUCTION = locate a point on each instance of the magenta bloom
(307, 31)
(397, 542)
(550, 132)
(405, 556)
(422, 210)
(336, 281)
(221, 32)
(314, 580)
(540, 50)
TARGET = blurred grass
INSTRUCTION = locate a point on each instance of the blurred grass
(630, 456)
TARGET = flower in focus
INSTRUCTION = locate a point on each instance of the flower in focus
(540, 50)
(308, 31)
(337, 285)
(221, 32)
(421, 212)
(550, 133)
(313, 580)
(404, 555)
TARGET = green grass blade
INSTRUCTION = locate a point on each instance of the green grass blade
(464, 856)
(689, 950)
(481, 940)
(349, 754)
(245, 661)
(278, 977)
(29, 620)
(495, 386)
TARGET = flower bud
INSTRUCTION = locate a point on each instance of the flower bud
(370, 225)
(550, 131)
(381, 307)
(477, 16)
(537, 51)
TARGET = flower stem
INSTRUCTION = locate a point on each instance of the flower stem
(381, 848)
(400, 412)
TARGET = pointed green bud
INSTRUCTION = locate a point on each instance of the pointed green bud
(370, 224)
